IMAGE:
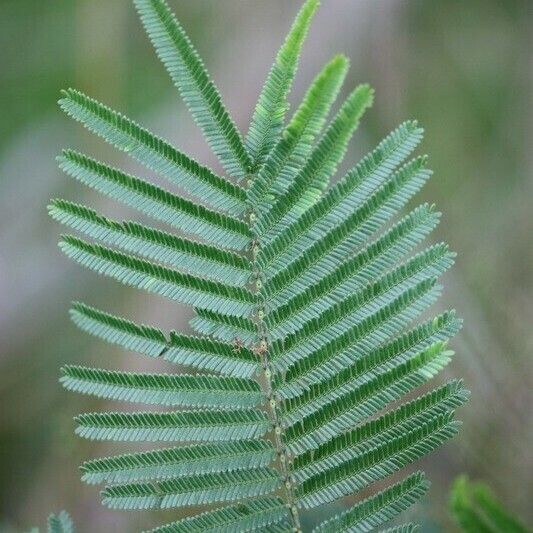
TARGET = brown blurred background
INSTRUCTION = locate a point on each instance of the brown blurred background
(463, 69)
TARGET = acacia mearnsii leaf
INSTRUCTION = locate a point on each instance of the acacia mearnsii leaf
(163, 389)
(154, 152)
(199, 352)
(291, 151)
(269, 114)
(196, 489)
(157, 279)
(179, 461)
(353, 345)
(355, 273)
(376, 463)
(196, 258)
(60, 523)
(326, 419)
(200, 94)
(314, 177)
(392, 424)
(343, 198)
(378, 509)
(333, 248)
(173, 426)
(260, 514)
(189, 217)
(308, 381)
(339, 317)
(363, 371)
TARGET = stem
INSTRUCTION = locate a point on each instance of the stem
(274, 413)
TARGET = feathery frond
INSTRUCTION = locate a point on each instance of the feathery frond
(153, 152)
(188, 73)
(305, 372)
(269, 114)
(255, 515)
(195, 257)
(173, 426)
(179, 462)
(378, 509)
(163, 389)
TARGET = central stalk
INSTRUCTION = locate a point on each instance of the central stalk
(261, 348)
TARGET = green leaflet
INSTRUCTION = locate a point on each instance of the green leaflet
(376, 510)
(351, 347)
(192, 490)
(376, 463)
(201, 353)
(337, 412)
(269, 113)
(340, 200)
(60, 523)
(196, 258)
(175, 426)
(196, 88)
(158, 279)
(181, 461)
(295, 145)
(390, 425)
(354, 274)
(305, 379)
(257, 514)
(163, 389)
(314, 177)
(153, 152)
(158, 203)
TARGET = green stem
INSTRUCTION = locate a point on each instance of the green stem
(274, 413)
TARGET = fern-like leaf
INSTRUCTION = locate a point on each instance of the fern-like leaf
(181, 461)
(269, 114)
(255, 515)
(153, 152)
(378, 509)
(308, 359)
(174, 426)
(162, 389)
(189, 75)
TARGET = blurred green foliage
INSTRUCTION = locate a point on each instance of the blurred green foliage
(476, 510)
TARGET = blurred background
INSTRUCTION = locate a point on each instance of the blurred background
(464, 69)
